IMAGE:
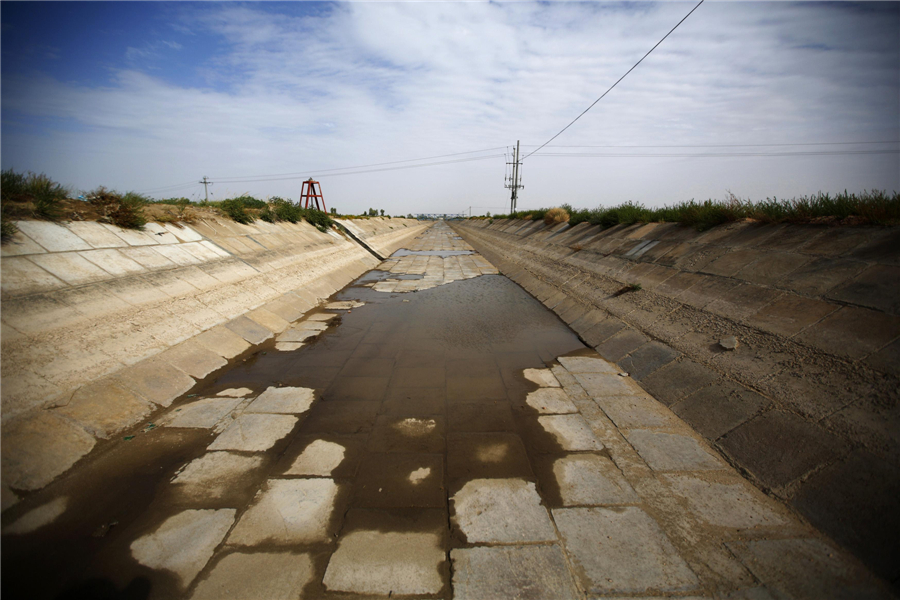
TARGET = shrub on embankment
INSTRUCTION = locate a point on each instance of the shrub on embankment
(867, 208)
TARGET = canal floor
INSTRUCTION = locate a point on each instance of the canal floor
(431, 432)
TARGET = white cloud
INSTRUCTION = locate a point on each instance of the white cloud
(373, 82)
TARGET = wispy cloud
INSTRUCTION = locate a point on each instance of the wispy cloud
(295, 89)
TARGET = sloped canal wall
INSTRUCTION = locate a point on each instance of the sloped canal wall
(102, 326)
(807, 403)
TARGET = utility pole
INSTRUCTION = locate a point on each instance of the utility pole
(515, 182)
(205, 183)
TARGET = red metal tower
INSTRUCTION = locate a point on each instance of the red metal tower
(309, 193)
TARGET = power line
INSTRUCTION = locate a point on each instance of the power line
(620, 79)
(716, 154)
(252, 178)
(726, 145)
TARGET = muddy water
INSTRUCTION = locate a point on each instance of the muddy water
(424, 390)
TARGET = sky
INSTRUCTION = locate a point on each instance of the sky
(258, 96)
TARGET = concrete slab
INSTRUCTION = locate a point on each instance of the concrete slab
(852, 332)
(269, 320)
(148, 258)
(542, 377)
(511, 572)
(620, 345)
(254, 433)
(70, 267)
(8, 498)
(132, 237)
(178, 255)
(183, 232)
(790, 314)
(288, 511)
(113, 262)
(601, 385)
(648, 358)
(193, 359)
(20, 244)
(184, 542)
(572, 432)
(105, 407)
(501, 511)
(677, 380)
(21, 276)
(250, 330)
(550, 401)
(285, 400)
(52, 237)
(591, 480)
(28, 461)
(202, 414)
(876, 287)
(671, 452)
(719, 408)
(241, 392)
(581, 364)
(386, 563)
(257, 575)
(320, 458)
(804, 568)
(214, 474)
(296, 336)
(321, 317)
(155, 380)
(222, 341)
(38, 517)
(635, 556)
(637, 412)
(735, 504)
(344, 305)
(288, 346)
(311, 326)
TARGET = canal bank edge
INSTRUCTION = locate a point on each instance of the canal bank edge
(102, 326)
(806, 405)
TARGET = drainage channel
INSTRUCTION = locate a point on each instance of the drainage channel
(435, 432)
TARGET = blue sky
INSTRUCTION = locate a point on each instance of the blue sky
(152, 96)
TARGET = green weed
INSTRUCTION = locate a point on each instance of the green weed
(44, 195)
(125, 210)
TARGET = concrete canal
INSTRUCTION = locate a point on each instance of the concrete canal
(432, 431)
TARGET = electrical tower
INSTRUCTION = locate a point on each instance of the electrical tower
(514, 181)
(205, 183)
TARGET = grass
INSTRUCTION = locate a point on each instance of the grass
(30, 194)
(867, 208)
(125, 210)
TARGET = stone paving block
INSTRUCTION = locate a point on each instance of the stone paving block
(854, 501)
(203, 414)
(184, 542)
(113, 262)
(36, 518)
(222, 341)
(647, 359)
(21, 276)
(779, 447)
(105, 407)
(572, 432)
(635, 556)
(501, 511)
(676, 380)
(155, 380)
(511, 572)
(257, 575)
(70, 267)
(542, 377)
(852, 332)
(736, 503)
(876, 287)
(214, 474)
(284, 400)
(639, 411)
(789, 314)
(193, 359)
(671, 452)
(288, 511)
(251, 331)
(386, 563)
(591, 480)
(550, 401)
(600, 385)
(29, 462)
(254, 433)
(585, 364)
(804, 568)
(621, 344)
(719, 408)
(268, 320)
(53, 237)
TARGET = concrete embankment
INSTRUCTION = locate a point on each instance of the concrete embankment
(806, 404)
(103, 326)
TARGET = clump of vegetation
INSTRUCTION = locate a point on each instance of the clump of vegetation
(555, 216)
(125, 210)
(872, 208)
(30, 195)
